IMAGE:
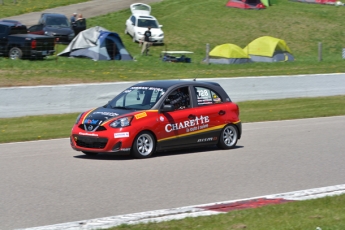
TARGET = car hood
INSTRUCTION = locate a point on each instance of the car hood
(101, 114)
(58, 30)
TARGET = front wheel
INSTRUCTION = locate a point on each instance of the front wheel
(134, 39)
(15, 53)
(228, 137)
(126, 31)
(144, 145)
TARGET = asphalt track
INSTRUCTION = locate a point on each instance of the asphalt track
(46, 182)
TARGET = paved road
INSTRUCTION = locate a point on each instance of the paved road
(46, 182)
(23, 101)
(88, 9)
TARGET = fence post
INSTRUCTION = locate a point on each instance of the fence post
(207, 51)
(320, 51)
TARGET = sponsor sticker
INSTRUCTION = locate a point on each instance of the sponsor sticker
(140, 115)
(120, 135)
(88, 134)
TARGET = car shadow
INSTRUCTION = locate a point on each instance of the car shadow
(105, 156)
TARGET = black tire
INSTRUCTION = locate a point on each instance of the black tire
(126, 31)
(133, 38)
(144, 145)
(228, 137)
(15, 53)
(90, 153)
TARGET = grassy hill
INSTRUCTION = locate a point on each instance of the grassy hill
(189, 25)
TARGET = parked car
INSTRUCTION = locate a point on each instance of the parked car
(55, 25)
(140, 20)
(159, 115)
(15, 43)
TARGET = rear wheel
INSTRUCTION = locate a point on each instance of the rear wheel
(144, 145)
(228, 137)
(15, 53)
(126, 31)
(90, 153)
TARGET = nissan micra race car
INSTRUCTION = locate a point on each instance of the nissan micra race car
(159, 115)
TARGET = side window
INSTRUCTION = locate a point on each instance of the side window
(179, 98)
(206, 96)
(133, 20)
(3, 29)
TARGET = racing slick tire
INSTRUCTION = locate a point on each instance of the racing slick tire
(90, 153)
(15, 53)
(228, 137)
(144, 145)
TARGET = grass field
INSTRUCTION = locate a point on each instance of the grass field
(189, 25)
(16, 7)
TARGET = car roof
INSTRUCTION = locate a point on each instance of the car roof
(146, 17)
(11, 23)
(172, 83)
(54, 14)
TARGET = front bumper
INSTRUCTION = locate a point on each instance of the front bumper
(99, 144)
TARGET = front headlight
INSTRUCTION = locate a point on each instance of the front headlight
(121, 122)
(78, 118)
(71, 35)
(161, 35)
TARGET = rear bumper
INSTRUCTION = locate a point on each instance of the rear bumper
(41, 53)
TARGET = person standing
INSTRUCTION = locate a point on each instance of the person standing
(73, 18)
(147, 41)
(79, 25)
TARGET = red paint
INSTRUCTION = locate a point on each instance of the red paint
(255, 203)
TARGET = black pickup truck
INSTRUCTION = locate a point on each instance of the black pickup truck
(16, 43)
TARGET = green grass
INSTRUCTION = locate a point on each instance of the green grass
(327, 213)
(189, 25)
(40, 127)
(15, 7)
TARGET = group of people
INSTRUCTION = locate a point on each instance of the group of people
(76, 17)
(78, 23)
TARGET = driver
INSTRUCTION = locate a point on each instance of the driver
(178, 99)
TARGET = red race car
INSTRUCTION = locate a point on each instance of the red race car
(159, 115)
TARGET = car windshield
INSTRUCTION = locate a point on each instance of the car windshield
(137, 98)
(62, 22)
(147, 23)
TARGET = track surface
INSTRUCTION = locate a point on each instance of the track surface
(46, 182)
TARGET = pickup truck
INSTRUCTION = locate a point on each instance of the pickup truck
(16, 43)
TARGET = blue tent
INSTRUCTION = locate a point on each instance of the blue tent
(97, 44)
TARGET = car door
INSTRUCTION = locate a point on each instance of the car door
(131, 24)
(211, 112)
(177, 126)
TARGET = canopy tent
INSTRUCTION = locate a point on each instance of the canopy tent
(228, 54)
(248, 4)
(97, 43)
(268, 49)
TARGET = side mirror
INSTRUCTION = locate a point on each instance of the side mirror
(167, 108)
(160, 26)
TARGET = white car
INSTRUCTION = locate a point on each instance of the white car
(140, 20)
